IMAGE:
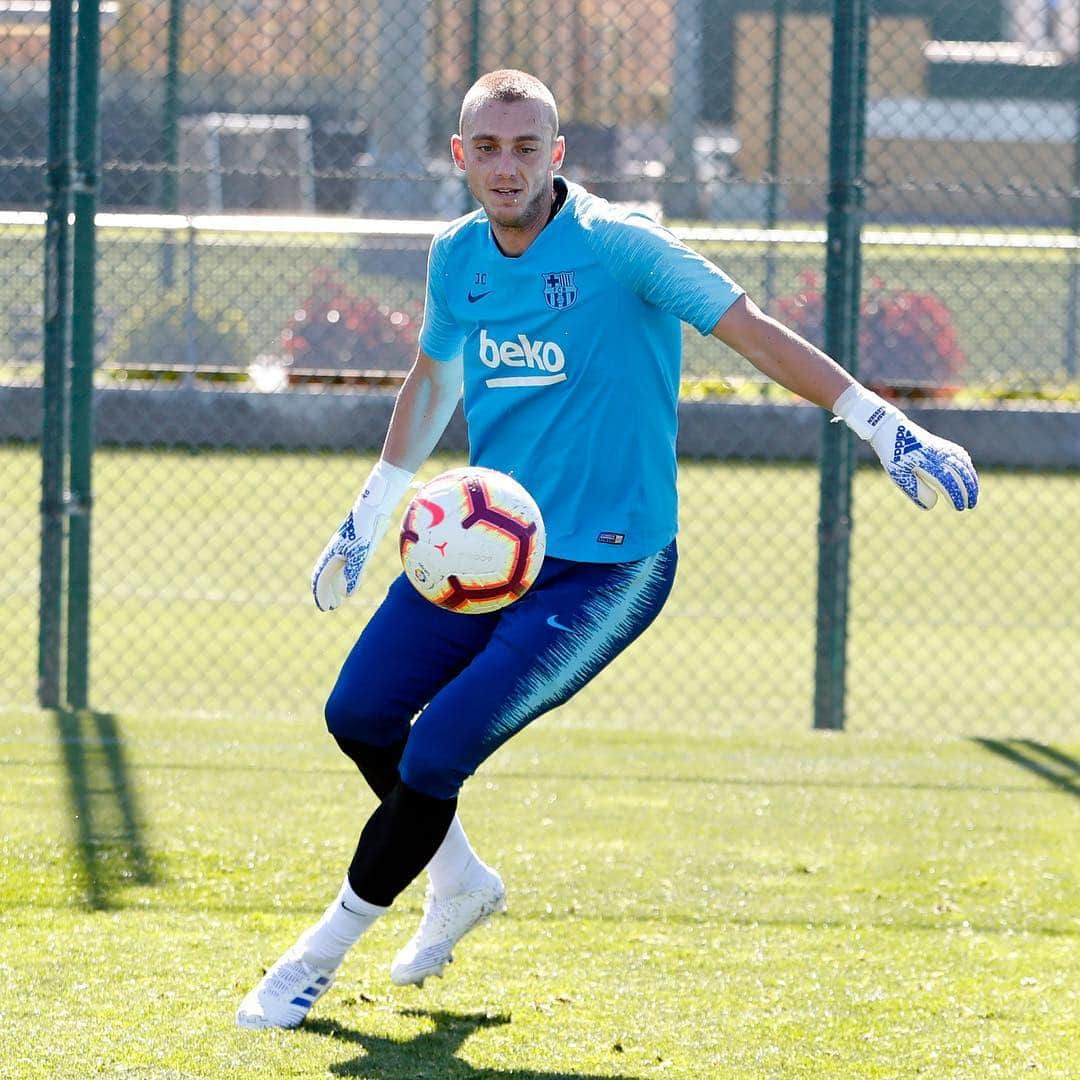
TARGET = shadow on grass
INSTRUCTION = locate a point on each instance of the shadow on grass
(432, 1054)
(1047, 762)
(109, 833)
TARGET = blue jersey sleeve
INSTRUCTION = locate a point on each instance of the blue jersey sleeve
(441, 335)
(650, 261)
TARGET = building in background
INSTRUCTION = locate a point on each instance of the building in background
(659, 98)
(1046, 24)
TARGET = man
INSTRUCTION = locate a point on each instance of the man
(561, 315)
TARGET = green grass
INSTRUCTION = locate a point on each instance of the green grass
(700, 886)
(683, 904)
(962, 623)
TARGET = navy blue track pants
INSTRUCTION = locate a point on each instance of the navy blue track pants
(467, 683)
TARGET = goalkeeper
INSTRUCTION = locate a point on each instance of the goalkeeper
(559, 316)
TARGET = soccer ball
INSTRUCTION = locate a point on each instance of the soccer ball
(472, 540)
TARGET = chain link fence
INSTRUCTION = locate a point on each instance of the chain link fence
(270, 172)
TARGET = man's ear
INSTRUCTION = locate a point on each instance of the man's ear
(558, 153)
(457, 151)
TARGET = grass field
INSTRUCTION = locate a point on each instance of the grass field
(682, 904)
(959, 623)
(700, 886)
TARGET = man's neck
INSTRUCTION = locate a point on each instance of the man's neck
(515, 242)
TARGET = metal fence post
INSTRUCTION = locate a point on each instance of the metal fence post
(776, 104)
(191, 316)
(476, 30)
(476, 52)
(842, 269)
(56, 330)
(680, 193)
(88, 56)
(170, 137)
(1072, 317)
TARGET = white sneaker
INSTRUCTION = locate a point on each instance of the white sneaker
(285, 994)
(445, 922)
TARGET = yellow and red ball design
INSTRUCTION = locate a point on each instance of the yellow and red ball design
(472, 540)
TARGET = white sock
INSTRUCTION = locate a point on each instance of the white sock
(326, 943)
(455, 867)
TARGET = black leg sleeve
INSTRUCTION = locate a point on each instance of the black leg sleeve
(398, 842)
(378, 764)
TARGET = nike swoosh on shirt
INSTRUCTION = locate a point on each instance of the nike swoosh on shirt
(553, 620)
(473, 297)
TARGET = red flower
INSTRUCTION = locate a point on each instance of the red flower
(907, 342)
(334, 330)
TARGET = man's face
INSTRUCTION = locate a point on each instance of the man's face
(508, 152)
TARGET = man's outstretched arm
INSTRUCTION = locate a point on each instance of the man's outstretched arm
(424, 405)
(922, 465)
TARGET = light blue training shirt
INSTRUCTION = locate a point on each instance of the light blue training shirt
(572, 354)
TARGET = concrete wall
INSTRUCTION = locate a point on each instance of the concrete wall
(1017, 437)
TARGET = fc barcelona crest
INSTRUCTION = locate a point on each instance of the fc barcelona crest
(560, 291)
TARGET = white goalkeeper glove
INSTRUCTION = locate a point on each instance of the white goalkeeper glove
(339, 568)
(920, 464)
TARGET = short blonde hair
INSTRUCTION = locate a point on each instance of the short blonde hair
(508, 84)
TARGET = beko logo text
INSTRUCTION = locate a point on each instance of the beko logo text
(542, 355)
(522, 352)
